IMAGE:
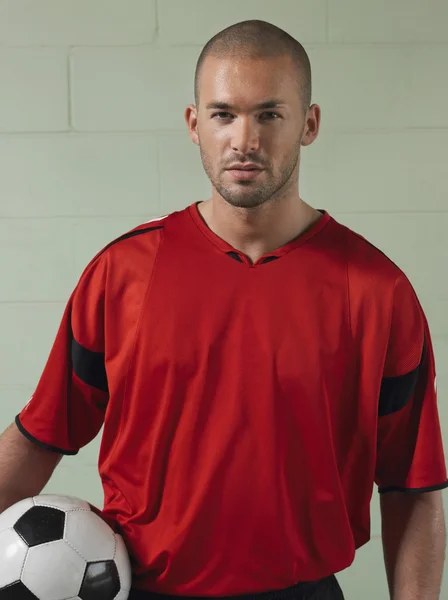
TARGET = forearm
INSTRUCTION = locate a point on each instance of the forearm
(414, 538)
(24, 467)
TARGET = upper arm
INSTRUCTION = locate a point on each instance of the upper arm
(394, 504)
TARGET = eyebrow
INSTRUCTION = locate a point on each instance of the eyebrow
(274, 103)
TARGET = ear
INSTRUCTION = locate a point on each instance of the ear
(312, 125)
(191, 118)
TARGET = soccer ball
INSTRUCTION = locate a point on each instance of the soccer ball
(57, 548)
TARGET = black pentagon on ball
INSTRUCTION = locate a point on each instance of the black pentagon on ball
(41, 524)
(101, 580)
(16, 591)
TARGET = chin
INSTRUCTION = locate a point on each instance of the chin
(243, 202)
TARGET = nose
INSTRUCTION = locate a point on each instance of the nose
(245, 136)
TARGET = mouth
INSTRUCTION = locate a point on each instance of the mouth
(245, 174)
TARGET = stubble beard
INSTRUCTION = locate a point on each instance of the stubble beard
(251, 194)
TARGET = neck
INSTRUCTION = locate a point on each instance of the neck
(260, 230)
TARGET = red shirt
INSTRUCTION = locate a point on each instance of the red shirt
(248, 410)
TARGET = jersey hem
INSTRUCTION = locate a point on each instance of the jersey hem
(432, 488)
(297, 590)
(48, 447)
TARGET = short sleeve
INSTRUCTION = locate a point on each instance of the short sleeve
(67, 408)
(410, 454)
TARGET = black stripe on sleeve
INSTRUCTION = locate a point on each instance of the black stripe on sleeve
(397, 391)
(31, 438)
(432, 488)
(89, 366)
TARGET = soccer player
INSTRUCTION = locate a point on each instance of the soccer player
(256, 366)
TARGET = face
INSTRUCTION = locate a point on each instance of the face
(250, 111)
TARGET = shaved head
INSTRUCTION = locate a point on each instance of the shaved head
(257, 39)
(253, 106)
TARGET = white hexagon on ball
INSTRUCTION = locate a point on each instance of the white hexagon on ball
(79, 526)
(53, 571)
(13, 551)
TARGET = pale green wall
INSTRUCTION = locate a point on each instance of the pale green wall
(91, 123)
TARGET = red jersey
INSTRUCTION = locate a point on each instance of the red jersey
(248, 409)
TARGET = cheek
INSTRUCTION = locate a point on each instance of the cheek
(284, 146)
(211, 137)
(216, 147)
(211, 155)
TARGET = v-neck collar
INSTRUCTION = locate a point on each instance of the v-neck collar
(279, 252)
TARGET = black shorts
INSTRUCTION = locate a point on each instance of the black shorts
(324, 589)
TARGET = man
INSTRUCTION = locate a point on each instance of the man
(256, 365)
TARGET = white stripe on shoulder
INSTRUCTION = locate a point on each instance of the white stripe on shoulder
(158, 219)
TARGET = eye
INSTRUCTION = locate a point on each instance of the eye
(223, 115)
(266, 116)
(271, 114)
